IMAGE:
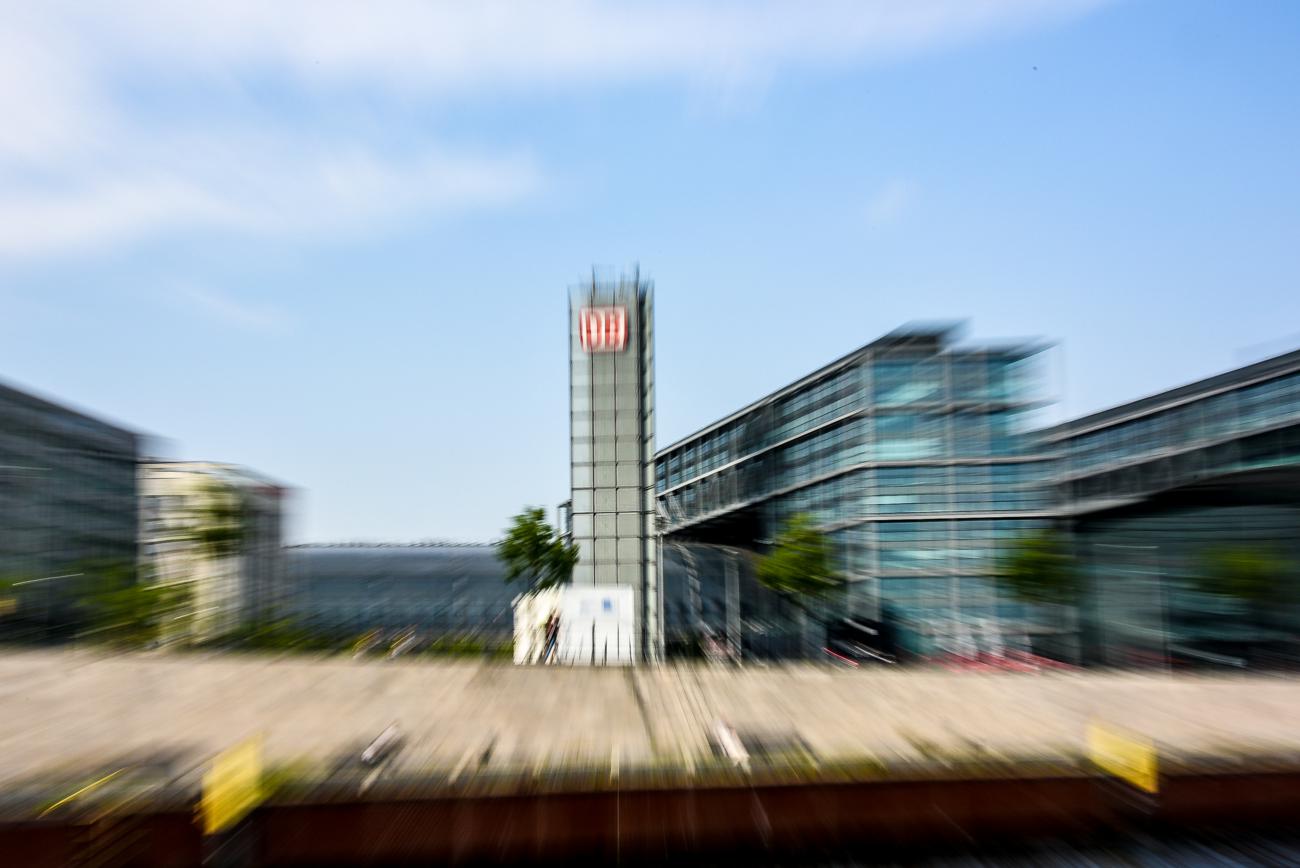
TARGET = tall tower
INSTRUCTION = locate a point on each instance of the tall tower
(612, 447)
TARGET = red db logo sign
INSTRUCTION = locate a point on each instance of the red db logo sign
(602, 329)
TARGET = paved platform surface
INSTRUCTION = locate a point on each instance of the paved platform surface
(64, 711)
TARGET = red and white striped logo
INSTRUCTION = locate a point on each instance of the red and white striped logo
(602, 329)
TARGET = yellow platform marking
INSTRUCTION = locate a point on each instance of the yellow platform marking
(232, 787)
(1126, 756)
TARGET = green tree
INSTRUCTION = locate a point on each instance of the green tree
(166, 611)
(122, 611)
(1258, 577)
(800, 564)
(532, 549)
(800, 568)
(1254, 575)
(1039, 568)
(221, 520)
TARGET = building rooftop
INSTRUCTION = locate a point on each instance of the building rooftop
(1262, 370)
(26, 396)
(928, 338)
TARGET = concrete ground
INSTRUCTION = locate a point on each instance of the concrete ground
(67, 710)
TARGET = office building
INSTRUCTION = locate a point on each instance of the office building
(611, 400)
(436, 589)
(715, 607)
(67, 510)
(1148, 492)
(913, 452)
(218, 530)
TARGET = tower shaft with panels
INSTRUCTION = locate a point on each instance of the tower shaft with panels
(611, 402)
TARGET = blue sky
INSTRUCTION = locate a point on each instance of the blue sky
(332, 241)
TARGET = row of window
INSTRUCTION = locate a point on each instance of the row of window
(976, 501)
(960, 476)
(952, 377)
(972, 530)
(833, 500)
(833, 449)
(43, 426)
(1270, 449)
(825, 400)
(936, 559)
(898, 437)
(897, 382)
(59, 483)
(943, 604)
(882, 490)
(1227, 414)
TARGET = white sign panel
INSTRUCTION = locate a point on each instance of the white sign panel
(597, 625)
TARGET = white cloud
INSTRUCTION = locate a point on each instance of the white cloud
(452, 45)
(85, 161)
(268, 186)
(99, 214)
(226, 309)
(890, 202)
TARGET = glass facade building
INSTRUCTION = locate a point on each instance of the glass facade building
(1246, 419)
(611, 400)
(1152, 489)
(715, 607)
(438, 590)
(67, 506)
(914, 453)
